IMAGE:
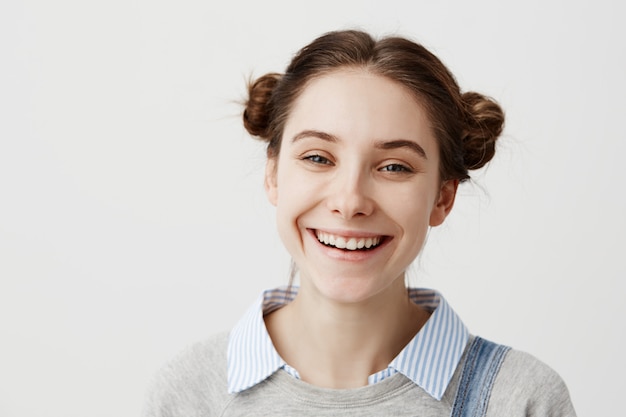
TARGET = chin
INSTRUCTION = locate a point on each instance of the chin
(349, 290)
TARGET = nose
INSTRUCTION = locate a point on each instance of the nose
(350, 195)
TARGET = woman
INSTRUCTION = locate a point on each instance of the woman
(367, 143)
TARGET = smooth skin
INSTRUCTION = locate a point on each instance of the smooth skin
(358, 162)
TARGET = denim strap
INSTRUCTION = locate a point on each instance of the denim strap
(481, 367)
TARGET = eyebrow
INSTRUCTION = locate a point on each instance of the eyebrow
(390, 144)
(315, 134)
(402, 143)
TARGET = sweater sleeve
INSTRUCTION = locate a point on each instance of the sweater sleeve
(193, 384)
(526, 387)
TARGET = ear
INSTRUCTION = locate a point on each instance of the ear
(444, 202)
(271, 185)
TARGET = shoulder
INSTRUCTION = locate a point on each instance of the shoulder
(525, 386)
(193, 383)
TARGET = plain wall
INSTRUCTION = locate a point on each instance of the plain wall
(133, 220)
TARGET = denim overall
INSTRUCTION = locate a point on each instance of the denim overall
(481, 367)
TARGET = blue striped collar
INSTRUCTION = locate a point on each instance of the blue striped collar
(429, 359)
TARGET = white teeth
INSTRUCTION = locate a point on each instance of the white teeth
(349, 243)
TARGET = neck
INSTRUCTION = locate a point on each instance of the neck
(339, 345)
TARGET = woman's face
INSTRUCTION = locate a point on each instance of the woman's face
(356, 184)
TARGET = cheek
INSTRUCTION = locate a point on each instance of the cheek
(291, 203)
(285, 225)
(296, 188)
(411, 212)
(412, 206)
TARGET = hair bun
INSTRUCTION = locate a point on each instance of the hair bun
(484, 124)
(256, 115)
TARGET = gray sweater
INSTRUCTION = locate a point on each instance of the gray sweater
(194, 384)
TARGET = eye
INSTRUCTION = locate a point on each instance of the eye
(399, 168)
(317, 159)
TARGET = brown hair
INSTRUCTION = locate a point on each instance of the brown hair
(466, 125)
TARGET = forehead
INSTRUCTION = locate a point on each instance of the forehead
(355, 104)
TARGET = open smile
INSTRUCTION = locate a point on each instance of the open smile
(350, 243)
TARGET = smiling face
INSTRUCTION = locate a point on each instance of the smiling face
(356, 184)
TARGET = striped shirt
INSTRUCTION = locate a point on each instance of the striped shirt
(429, 359)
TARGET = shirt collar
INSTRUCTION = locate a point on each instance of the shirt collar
(429, 359)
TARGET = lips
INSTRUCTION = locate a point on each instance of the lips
(350, 243)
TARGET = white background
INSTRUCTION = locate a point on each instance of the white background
(132, 216)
